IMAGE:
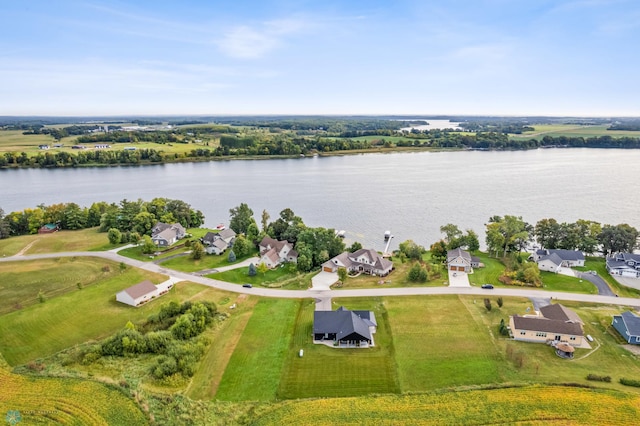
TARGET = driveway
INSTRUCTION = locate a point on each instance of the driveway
(539, 302)
(458, 279)
(603, 287)
(628, 281)
(567, 271)
(323, 280)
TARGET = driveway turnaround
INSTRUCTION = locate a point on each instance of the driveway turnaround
(323, 280)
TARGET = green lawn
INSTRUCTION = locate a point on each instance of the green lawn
(439, 344)
(75, 317)
(492, 270)
(254, 370)
(82, 240)
(281, 277)
(333, 372)
(559, 282)
(572, 130)
(598, 264)
(11, 246)
(209, 261)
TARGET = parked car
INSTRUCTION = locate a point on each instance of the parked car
(487, 286)
(247, 285)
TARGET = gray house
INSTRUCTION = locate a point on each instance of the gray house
(624, 264)
(164, 234)
(628, 325)
(218, 242)
(570, 258)
(344, 327)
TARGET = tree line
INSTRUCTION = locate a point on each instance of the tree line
(126, 216)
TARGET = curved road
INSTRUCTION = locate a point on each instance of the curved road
(301, 294)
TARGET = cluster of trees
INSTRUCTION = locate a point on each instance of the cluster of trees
(126, 217)
(117, 136)
(586, 235)
(172, 334)
(593, 142)
(82, 157)
(314, 245)
(453, 238)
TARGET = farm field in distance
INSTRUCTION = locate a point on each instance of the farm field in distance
(572, 130)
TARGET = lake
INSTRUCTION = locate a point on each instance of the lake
(410, 194)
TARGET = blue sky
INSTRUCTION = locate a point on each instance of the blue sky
(510, 57)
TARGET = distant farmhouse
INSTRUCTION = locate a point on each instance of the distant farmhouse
(552, 260)
(367, 261)
(163, 234)
(218, 242)
(628, 325)
(274, 252)
(344, 328)
(555, 323)
(624, 264)
(143, 292)
(461, 260)
(48, 228)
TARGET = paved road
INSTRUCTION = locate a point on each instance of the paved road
(301, 294)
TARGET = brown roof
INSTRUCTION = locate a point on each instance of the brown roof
(547, 325)
(140, 289)
(560, 313)
(565, 347)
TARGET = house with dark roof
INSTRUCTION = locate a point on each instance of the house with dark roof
(550, 263)
(274, 252)
(344, 328)
(48, 228)
(554, 323)
(624, 264)
(164, 234)
(569, 258)
(367, 261)
(628, 325)
(218, 242)
(138, 294)
(461, 260)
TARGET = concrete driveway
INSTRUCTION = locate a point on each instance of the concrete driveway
(458, 279)
(323, 280)
(567, 271)
(628, 281)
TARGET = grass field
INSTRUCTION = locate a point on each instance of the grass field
(598, 264)
(82, 240)
(64, 401)
(209, 261)
(527, 405)
(254, 370)
(398, 278)
(572, 130)
(492, 270)
(282, 277)
(559, 282)
(22, 281)
(75, 317)
(334, 372)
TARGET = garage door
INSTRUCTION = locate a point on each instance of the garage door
(460, 268)
(327, 269)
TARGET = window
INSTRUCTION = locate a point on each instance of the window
(541, 334)
(522, 333)
(572, 338)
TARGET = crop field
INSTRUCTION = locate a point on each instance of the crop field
(522, 405)
(74, 317)
(336, 372)
(572, 130)
(254, 370)
(64, 401)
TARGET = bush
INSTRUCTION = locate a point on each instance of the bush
(597, 378)
(487, 304)
(232, 257)
(630, 382)
(500, 302)
(417, 273)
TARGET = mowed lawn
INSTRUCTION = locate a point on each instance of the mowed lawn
(255, 368)
(82, 240)
(334, 372)
(439, 344)
(75, 317)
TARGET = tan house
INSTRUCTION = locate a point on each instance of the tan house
(554, 323)
(461, 260)
(274, 252)
(138, 294)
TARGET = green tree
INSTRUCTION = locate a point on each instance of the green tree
(241, 218)
(507, 234)
(547, 233)
(439, 251)
(148, 245)
(487, 304)
(618, 238)
(143, 222)
(342, 275)
(500, 303)
(114, 235)
(5, 229)
(411, 249)
(231, 257)
(252, 233)
(471, 240)
(452, 235)
(263, 268)
(354, 247)
(304, 263)
(74, 217)
(417, 273)
(252, 270)
(197, 251)
(242, 246)
(265, 220)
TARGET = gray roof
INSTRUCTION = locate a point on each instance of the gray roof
(452, 254)
(631, 322)
(227, 233)
(220, 244)
(140, 289)
(563, 254)
(547, 325)
(167, 234)
(553, 257)
(210, 237)
(560, 313)
(625, 257)
(342, 322)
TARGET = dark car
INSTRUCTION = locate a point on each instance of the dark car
(487, 286)
(247, 285)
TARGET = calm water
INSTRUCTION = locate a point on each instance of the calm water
(435, 125)
(411, 194)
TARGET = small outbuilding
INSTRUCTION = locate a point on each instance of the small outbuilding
(565, 350)
(138, 294)
(49, 228)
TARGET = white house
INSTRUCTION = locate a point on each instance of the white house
(364, 260)
(550, 263)
(274, 252)
(569, 258)
(461, 260)
(138, 294)
(624, 264)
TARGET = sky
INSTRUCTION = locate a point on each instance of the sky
(455, 57)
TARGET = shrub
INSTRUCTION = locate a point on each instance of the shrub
(487, 304)
(630, 382)
(500, 302)
(417, 273)
(252, 270)
(597, 378)
(232, 257)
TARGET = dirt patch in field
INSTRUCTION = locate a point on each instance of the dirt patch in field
(634, 349)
